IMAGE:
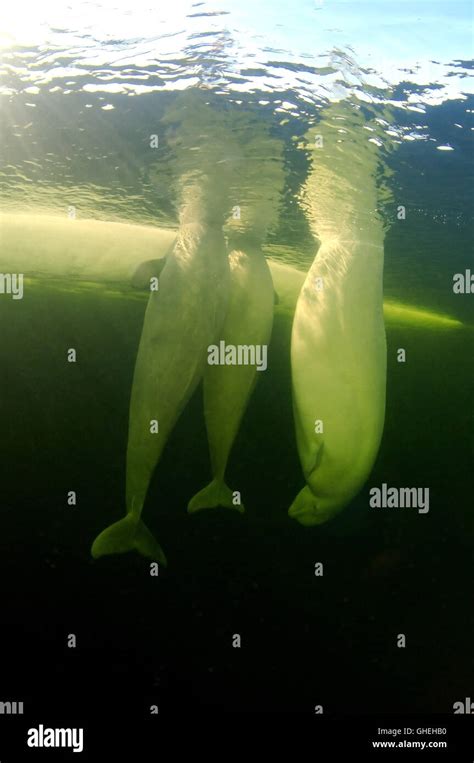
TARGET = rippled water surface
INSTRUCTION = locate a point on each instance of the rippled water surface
(106, 111)
(83, 87)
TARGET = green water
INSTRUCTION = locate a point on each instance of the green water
(385, 573)
(244, 128)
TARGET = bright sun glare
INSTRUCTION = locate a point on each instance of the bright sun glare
(26, 22)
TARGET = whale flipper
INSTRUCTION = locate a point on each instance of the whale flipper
(217, 493)
(128, 534)
(147, 270)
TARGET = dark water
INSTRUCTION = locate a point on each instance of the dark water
(168, 639)
(306, 640)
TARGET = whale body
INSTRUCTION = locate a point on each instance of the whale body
(338, 346)
(227, 389)
(181, 320)
(338, 358)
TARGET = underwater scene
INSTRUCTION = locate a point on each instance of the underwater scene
(236, 365)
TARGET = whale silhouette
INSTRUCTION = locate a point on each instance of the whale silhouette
(227, 389)
(338, 348)
(181, 320)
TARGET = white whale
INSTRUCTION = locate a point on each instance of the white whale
(181, 320)
(227, 388)
(338, 359)
(338, 346)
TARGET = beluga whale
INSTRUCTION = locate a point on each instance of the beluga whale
(227, 388)
(183, 317)
(338, 346)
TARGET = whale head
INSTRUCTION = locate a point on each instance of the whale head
(309, 509)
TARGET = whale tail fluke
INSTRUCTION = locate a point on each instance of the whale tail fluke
(128, 534)
(215, 494)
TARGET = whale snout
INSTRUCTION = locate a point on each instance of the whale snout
(310, 510)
